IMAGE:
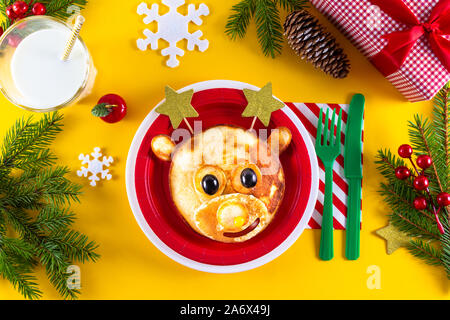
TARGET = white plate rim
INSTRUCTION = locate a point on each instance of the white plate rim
(134, 204)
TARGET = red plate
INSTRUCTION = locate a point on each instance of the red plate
(165, 227)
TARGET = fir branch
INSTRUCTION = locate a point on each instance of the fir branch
(35, 205)
(50, 255)
(425, 251)
(445, 244)
(58, 278)
(52, 219)
(395, 192)
(22, 223)
(54, 188)
(431, 138)
(267, 19)
(422, 137)
(399, 196)
(56, 263)
(239, 20)
(76, 245)
(26, 141)
(19, 276)
(402, 200)
(268, 28)
(10, 140)
(441, 148)
(292, 5)
(21, 250)
(413, 226)
(64, 9)
(387, 162)
(46, 186)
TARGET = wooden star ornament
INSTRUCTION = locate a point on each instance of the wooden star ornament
(394, 238)
(261, 104)
(177, 107)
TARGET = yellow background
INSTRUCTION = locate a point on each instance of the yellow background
(130, 266)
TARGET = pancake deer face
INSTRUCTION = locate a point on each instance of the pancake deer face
(226, 183)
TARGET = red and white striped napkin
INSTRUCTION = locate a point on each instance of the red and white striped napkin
(308, 113)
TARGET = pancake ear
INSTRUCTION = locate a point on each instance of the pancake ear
(284, 137)
(162, 147)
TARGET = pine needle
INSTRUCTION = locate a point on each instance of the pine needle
(267, 19)
(28, 184)
(269, 28)
(445, 243)
(16, 272)
(441, 143)
(239, 20)
(35, 199)
(431, 138)
(291, 5)
(425, 251)
(423, 141)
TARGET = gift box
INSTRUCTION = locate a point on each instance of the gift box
(407, 40)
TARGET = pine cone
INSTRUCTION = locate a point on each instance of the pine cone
(308, 38)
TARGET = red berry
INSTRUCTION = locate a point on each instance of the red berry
(420, 203)
(10, 13)
(421, 183)
(118, 111)
(424, 161)
(405, 151)
(443, 199)
(20, 8)
(39, 9)
(1, 31)
(402, 173)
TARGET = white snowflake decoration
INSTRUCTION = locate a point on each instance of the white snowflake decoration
(173, 27)
(95, 166)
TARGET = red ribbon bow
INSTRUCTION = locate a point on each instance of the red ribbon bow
(400, 43)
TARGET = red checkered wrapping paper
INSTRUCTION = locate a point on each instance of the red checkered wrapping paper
(308, 113)
(422, 75)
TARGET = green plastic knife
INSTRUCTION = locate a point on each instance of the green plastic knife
(353, 173)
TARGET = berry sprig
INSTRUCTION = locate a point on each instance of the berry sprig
(20, 9)
(421, 183)
(14, 10)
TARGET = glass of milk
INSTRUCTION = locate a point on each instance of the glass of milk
(32, 73)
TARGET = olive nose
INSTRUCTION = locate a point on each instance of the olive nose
(232, 215)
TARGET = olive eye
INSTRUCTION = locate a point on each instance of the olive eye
(210, 184)
(249, 178)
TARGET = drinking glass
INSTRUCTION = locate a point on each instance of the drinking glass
(10, 42)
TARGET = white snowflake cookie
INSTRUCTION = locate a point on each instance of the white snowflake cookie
(173, 27)
(95, 166)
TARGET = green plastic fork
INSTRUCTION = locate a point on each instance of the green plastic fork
(328, 148)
